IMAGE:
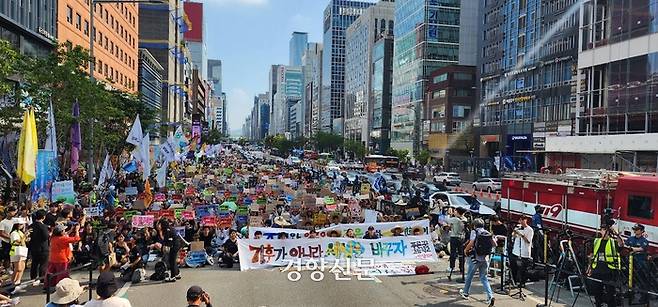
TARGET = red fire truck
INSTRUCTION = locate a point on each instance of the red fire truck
(579, 199)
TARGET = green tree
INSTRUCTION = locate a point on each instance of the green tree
(355, 147)
(213, 137)
(402, 154)
(324, 142)
(423, 157)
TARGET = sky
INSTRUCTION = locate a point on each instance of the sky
(251, 35)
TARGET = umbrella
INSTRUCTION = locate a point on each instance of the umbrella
(231, 205)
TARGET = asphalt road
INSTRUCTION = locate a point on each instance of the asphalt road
(272, 288)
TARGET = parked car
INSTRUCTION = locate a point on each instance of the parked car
(415, 173)
(487, 184)
(448, 178)
(458, 199)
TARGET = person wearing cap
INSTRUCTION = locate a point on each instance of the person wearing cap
(638, 244)
(196, 296)
(371, 234)
(67, 292)
(106, 287)
(5, 229)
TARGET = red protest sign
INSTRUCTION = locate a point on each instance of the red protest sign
(190, 191)
(169, 214)
(225, 222)
(177, 197)
(187, 215)
(209, 221)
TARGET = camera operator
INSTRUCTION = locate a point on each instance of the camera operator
(521, 251)
(537, 225)
(606, 265)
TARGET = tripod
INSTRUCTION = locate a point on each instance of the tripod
(567, 255)
(506, 277)
(520, 284)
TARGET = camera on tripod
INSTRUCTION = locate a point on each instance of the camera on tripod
(607, 220)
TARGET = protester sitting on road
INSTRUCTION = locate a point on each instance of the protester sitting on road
(371, 234)
(230, 250)
(67, 292)
(196, 296)
(121, 250)
(106, 287)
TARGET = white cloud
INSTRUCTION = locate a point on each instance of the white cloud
(239, 106)
(239, 2)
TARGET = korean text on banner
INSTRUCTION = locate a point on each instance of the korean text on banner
(382, 229)
(142, 221)
(63, 191)
(260, 254)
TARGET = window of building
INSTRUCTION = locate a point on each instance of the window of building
(461, 111)
(640, 206)
(439, 94)
(69, 14)
(463, 76)
(461, 92)
(78, 21)
(440, 78)
(86, 28)
(458, 126)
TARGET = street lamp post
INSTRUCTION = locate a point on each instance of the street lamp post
(92, 65)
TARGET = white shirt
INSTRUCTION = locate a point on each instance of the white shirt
(110, 302)
(521, 247)
(6, 225)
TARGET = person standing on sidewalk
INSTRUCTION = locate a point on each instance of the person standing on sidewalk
(479, 246)
(39, 247)
(456, 222)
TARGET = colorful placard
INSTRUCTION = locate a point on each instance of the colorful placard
(63, 191)
(131, 191)
(143, 221)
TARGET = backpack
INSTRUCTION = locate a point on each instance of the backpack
(160, 272)
(483, 243)
(103, 245)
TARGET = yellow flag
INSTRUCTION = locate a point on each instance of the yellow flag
(28, 146)
(148, 195)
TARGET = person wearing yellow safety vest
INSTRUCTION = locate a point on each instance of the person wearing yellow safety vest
(606, 266)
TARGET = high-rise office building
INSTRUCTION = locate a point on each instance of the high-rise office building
(379, 116)
(361, 35)
(150, 85)
(215, 75)
(161, 30)
(528, 71)
(312, 66)
(115, 32)
(338, 15)
(428, 35)
(297, 46)
(195, 38)
(31, 28)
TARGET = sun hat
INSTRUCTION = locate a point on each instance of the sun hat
(66, 291)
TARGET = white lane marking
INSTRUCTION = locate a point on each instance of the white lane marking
(124, 289)
(377, 280)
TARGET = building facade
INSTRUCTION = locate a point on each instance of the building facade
(379, 119)
(451, 100)
(215, 75)
(115, 34)
(297, 46)
(31, 28)
(150, 85)
(616, 105)
(338, 15)
(428, 35)
(374, 23)
(312, 66)
(528, 79)
(161, 30)
(195, 37)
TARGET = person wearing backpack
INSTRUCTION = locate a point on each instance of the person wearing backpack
(479, 246)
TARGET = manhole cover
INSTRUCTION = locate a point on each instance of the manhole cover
(441, 290)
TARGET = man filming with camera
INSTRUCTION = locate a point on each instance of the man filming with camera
(606, 265)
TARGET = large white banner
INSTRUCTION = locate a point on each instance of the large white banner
(408, 228)
(260, 254)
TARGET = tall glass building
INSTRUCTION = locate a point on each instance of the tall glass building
(428, 36)
(297, 45)
(338, 15)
